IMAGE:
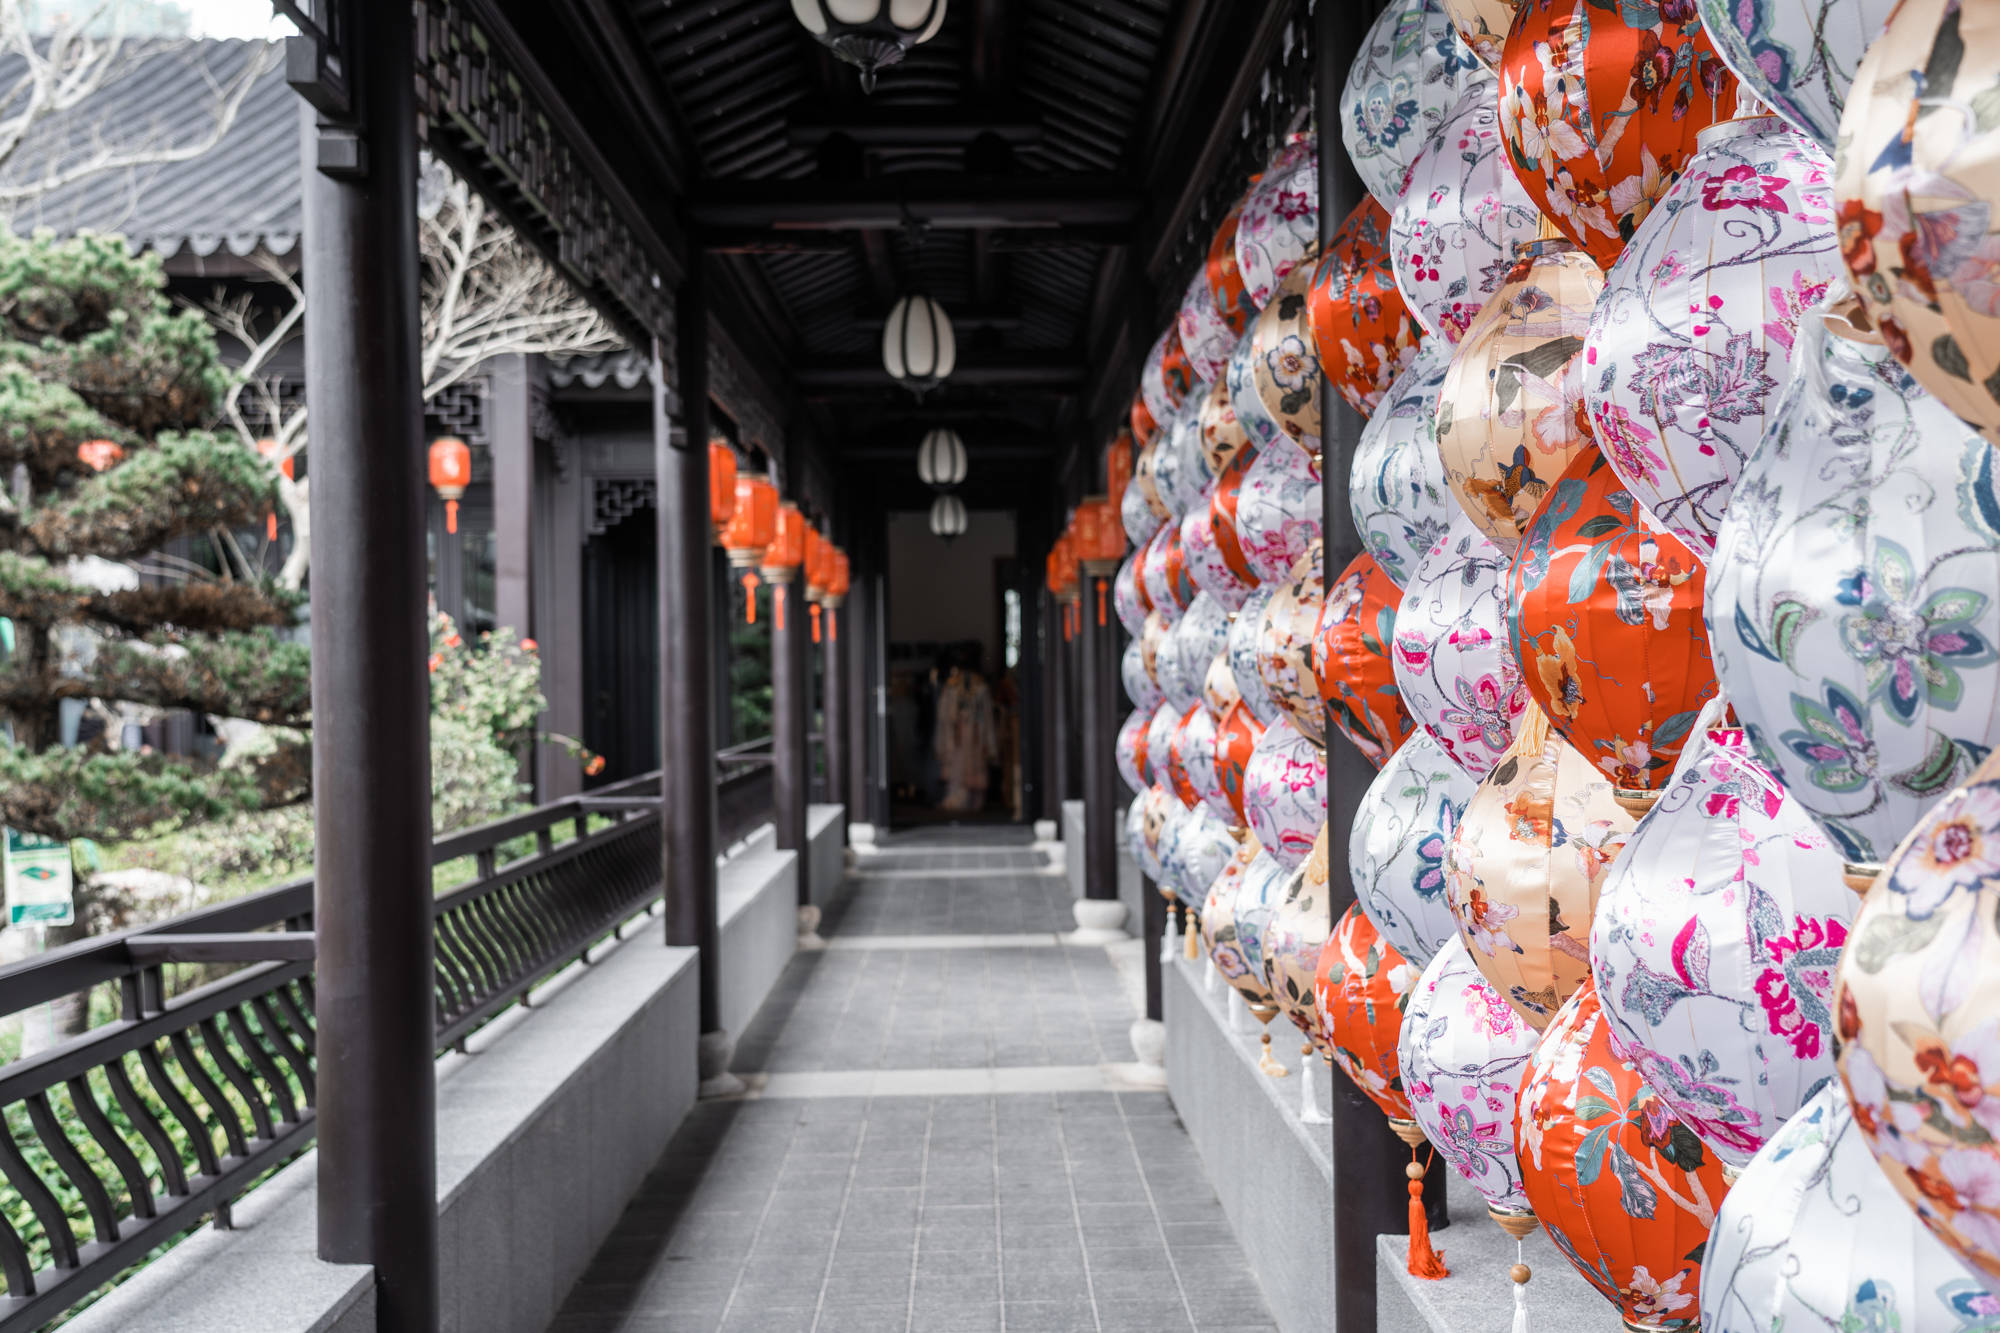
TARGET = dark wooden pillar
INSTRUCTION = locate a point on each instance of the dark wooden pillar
(1097, 741)
(791, 705)
(377, 1091)
(687, 740)
(1369, 1188)
(1056, 662)
(834, 645)
(857, 618)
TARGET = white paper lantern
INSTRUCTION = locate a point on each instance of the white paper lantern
(1690, 344)
(1396, 486)
(918, 348)
(941, 459)
(1397, 849)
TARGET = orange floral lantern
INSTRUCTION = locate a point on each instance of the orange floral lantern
(1626, 1191)
(1222, 505)
(1599, 109)
(1167, 376)
(721, 486)
(1364, 332)
(1144, 424)
(451, 473)
(1357, 677)
(1606, 619)
(1226, 287)
(1362, 989)
(1236, 737)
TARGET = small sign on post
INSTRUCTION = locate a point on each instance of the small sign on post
(40, 883)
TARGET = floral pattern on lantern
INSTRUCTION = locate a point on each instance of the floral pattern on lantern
(1918, 1006)
(1396, 486)
(1223, 506)
(1295, 941)
(1259, 427)
(1133, 763)
(1402, 81)
(1625, 1190)
(1236, 737)
(1606, 619)
(1205, 334)
(1277, 511)
(1246, 632)
(1178, 781)
(1218, 687)
(1454, 658)
(1159, 741)
(1599, 109)
(1135, 836)
(1202, 848)
(1285, 646)
(1167, 377)
(1350, 655)
(1218, 922)
(1284, 793)
(1140, 687)
(1691, 343)
(1526, 865)
(1257, 897)
(1812, 1235)
(1453, 236)
(1482, 25)
(1207, 564)
(1135, 511)
(1397, 848)
(1510, 415)
(1285, 365)
(1221, 433)
(1279, 225)
(1201, 634)
(1361, 992)
(1197, 750)
(1163, 574)
(1714, 946)
(1914, 186)
(1797, 56)
(1464, 1054)
(1125, 595)
(1363, 331)
(1855, 594)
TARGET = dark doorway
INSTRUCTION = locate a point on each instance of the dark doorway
(621, 647)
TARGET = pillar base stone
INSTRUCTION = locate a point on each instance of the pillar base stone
(861, 835)
(712, 1053)
(1149, 1042)
(809, 936)
(1098, 921)
(1045, 830)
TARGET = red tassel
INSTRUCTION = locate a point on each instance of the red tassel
(815, 611)
(832, 625)
(1424, 1261)
(778, 607)
(451, 516)
(1102, 588)
(749, 597)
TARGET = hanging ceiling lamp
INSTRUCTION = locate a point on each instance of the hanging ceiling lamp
(870, 34)
(941, 459)
(947, 517)
(918, 348)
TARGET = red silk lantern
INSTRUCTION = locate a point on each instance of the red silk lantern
(721, 485)
(753, 522)
(1599, 116)
(839, 581)
(1236, 736)
(817, 550)
(1357, 623)
(1362, 988)
(1607, 624)
(1225, 276)
(1627, 1191)
(1222, 510)
(1364, 332)
(1144, 426)
(1178, 781)
(451, 473)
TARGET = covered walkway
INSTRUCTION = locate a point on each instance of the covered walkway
(938, 1136)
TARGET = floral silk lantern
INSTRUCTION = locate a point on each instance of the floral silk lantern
(1237, 893)
(1626, 1191)
(1403, 80)
(1463, 1054)
(1362, 329)
(1262, 888)
(1136, 513)
(1453, 655)
(1714, 946)
(1453, 236)
(1142, 478)
(1294, 943)
(1284, 793)
(1224, 502)
(1135, 835)
(1140, 686)
(1159, 807)
(1221, 433)
(1144, 425)
(1285, 365)
(1397, 848)
(1217, 309)
(1197, 742)
(1218, 909)
(1157, 574)
(1482, 25)
(1246, 632)
(1914, 183)
(1133, 764)
(1278, 228)
(1201, 634)
(1607, 625)
(1813, 1235)
(1396, 486)
(1510, 414)
(1167, 376)
(1278, 511)
(1361, 992)
(1599, 109)
(1208, 565)
(1236, 737)
(1855, 594)
(1218, 687)
(1260, 429)
(1201, 852)
(1525, 867)
(1918, 1001)
(1160, 740)
(1350, 655)
(1285, 647)
(1797, 56)
(1125, 596)
(1691, 344)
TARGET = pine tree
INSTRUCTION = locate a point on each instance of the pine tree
(106, 393)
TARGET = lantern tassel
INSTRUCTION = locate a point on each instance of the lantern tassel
(749, 597)
(1102, 588)
(778, 607)
(1520, 1276)
(832, 625)
(1425, 1262)
(815, 615)
(451, 516)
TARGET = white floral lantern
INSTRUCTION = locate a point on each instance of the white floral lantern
(1279, 225)
(1464, 1055)
(1245, 639)
(1205, 335)
(1401, 836)
(1125, 594)
(1252, 416)
(1160, 735)
(1156, 575)
(1797, 56)
(1202, 851)
(1690, 345)
(1396, 485)
(1258, 897)
(1135, 764)
(1140, 687)
(1170, 463)
(1452, 237)
(1278, 512)
(1454, 659)
(1402, 82)
(1135, 834)
(1201, 634)
(1198, 758)
(1138, 517)
(1206, 564)
(1714, 946)
(1284, 792)
(1854, 597)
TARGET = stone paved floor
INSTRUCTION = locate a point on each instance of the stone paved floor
(1060, 1203)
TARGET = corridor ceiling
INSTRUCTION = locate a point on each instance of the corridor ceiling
(1039, 166)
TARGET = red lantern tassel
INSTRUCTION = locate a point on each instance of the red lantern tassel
(815, 613)
(271, 527)
(1424, 1261)
(1102, 587)
(749, 598)
(778, 608)
(451, 516)
(832, 625)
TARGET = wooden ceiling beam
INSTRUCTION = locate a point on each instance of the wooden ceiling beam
(941, 199)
